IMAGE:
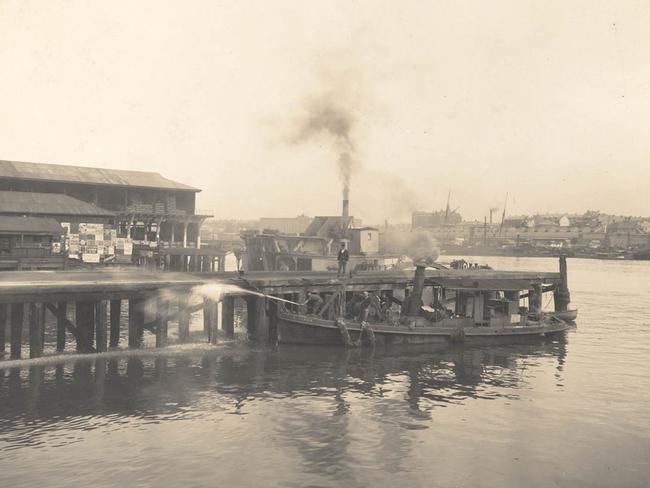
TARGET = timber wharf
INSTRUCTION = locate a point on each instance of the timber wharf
(157, 299)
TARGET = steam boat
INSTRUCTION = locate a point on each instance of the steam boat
(464, 308)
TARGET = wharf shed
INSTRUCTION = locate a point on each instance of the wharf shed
(155, 214)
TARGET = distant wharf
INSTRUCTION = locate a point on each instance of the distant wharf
(157, 299)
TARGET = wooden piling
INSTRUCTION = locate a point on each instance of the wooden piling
(228, 315)
(136, 322)
(61, 317)
(258, 327)
(36, 327)
(115, 313)
(101, 323)
(3, 327)
(85, 321)
(183, 318)
(162, 314)
(214, 319)
(17, 317)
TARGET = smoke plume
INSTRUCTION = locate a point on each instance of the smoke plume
(419, 245)
(324, 115)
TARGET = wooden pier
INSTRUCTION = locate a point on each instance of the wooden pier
(100, 300)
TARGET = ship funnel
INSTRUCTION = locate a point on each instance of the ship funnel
(415, 298)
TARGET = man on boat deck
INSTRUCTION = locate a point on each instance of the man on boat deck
(314, 303)
(343, 257)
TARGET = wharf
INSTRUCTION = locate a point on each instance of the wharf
(152, 300)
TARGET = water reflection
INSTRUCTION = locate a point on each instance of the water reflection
(406, 386)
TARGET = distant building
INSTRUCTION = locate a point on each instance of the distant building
(626, 234)
(285, 225)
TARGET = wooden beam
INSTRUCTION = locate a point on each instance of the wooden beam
(328, 303)
(115, 313)
(162, 313)
(81, 340)
(36, 326)
(3, 326)
(61, 313)
(183, 318)
(228, 315)
(101, 323)
(85, 320)
(17, 317)
(136, 323)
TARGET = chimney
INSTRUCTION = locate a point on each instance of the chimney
(415, 298)
(346, 204)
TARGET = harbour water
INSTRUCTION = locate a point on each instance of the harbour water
(572, 412)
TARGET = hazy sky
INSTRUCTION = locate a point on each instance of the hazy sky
(546, 100)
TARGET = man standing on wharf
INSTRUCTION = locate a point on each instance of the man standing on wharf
(343, 257)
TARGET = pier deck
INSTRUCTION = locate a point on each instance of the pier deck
(157, 298)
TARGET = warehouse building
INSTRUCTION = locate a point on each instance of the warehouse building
(110, 215)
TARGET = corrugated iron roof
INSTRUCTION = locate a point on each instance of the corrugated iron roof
(25, 203)
(30, 225)
(483, 284)
(96, 176)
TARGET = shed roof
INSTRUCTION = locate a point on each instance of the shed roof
(25, 203)
(93, 176)
(30, 225)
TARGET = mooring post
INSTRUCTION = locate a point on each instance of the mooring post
(17, 317)
(101, 320)
(162, 314)
(561, 294)
(85, 319)
(3, 327)
(228, 315)
(115, 313)
(61, 317)
(136, 322)
(36, 325)
(183, 317)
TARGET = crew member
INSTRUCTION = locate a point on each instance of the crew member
(343, 258)
(314, 302)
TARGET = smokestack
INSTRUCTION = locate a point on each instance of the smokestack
(415, 298)
(346, 204)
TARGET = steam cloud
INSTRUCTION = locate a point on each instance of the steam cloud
(419, 245)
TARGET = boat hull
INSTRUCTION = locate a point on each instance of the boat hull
(298, 329)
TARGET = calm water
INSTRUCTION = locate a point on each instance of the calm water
(574, 412)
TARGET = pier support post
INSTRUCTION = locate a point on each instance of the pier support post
(115, 312)
(258, 327)
(162, 314)
(36, 328)
(101, 321)
(17, 317)
(183, 318)
(228, 315)
(61, 317)
(3, 327)
(85, 319)
(136, 322)
(210, 316)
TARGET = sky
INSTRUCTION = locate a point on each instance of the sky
(548, 101)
